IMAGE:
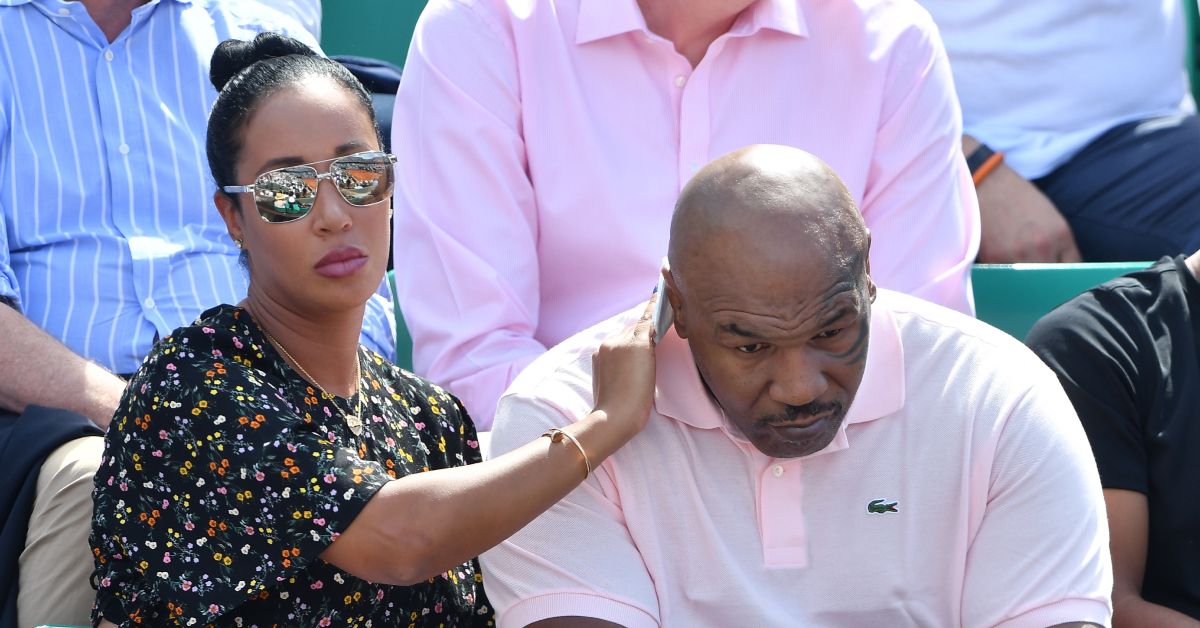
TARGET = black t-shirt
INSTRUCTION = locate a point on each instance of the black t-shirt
(1128, 354)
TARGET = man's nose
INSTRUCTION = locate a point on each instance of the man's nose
(797, 378)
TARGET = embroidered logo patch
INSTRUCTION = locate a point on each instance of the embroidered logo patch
(879, 506)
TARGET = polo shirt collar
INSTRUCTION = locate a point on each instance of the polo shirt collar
(600, 19)
(680, 394)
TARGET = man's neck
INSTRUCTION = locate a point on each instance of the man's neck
(112, 16)
(692, 25)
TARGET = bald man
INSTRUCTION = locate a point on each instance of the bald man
(820, 451)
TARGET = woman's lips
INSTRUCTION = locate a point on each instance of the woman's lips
(341, 262)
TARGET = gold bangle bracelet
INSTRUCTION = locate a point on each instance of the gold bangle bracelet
(556, 436)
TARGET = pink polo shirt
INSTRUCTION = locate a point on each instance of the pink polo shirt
(960, 491)
(542, 145)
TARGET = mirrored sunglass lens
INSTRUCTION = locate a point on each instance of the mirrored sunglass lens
(286, 194)
(363, 179)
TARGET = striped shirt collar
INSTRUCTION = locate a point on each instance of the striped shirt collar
(17, 3)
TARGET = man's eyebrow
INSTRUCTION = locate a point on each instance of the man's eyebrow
(838, 312)
(732, 328)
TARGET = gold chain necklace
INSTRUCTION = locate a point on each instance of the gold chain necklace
(353, 421)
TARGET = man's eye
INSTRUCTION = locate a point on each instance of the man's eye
(830, 333)
(752, 348)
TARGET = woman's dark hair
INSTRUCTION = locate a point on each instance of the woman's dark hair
(246, 72)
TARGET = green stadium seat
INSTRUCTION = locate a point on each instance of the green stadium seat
(1013, 297)
(404, 342)
(369, 28)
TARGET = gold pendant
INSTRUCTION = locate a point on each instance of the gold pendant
(354, 423)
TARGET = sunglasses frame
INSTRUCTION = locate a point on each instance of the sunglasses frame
(239, 189)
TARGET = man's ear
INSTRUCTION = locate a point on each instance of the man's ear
(676, 298)
(230, 214)
(871, 288)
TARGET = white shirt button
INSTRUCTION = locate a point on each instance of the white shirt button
(777, 470)
(123, 149)
(64, 11)
(108, 55)
(680, 80)
(149, 303)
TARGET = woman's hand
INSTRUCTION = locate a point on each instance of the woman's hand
(623, 372)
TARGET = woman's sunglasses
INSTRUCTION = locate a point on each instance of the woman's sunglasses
(288, 194)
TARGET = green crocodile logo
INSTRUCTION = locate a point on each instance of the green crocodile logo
(878, 506)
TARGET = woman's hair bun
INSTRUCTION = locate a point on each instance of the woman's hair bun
(232, 56)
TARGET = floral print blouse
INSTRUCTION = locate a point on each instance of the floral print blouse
(225, 475)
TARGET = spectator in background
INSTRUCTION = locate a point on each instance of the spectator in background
(108, 240)
(1128, 354)
(816, 455)
(542, 144)
(1085, 106)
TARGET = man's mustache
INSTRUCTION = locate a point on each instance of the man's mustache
(812, 408)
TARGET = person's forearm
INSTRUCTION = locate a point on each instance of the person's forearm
(1131, 611)
(36, 369)
(423, 524)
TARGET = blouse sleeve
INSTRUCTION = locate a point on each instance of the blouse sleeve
(214, 485)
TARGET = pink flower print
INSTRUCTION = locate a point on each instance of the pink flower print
(165, 504)
(187, 585)
(222, 490)
(291, 447)
(330, 478)
(105, 581)
(419, 426)
(437, 608)
(189, 526)
(166, 557)
(208, 330)
(473, 444)
(162, 434)
(124, 486)
(319, 521)
(260, 476)
(317, 585)
(171, 366)
(249, 530)
(237, 343)
(324, 622)
(213, 609)
(157, 453)
(378, 595)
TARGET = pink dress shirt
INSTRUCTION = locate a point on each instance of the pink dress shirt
(542, 145)
(960, 491)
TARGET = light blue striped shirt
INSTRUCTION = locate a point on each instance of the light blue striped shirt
(108, 232)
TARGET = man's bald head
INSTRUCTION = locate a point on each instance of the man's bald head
(768, 194)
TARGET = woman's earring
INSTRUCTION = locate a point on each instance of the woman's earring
(238, 241)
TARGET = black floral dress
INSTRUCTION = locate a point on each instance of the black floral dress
(225, 475)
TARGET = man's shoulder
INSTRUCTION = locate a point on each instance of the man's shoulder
(570, 361)
(931, 334)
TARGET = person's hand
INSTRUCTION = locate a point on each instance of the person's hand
(623, 372)
(1020, 224)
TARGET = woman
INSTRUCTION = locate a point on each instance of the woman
(263, 468)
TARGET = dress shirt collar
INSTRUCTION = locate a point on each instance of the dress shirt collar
(599, 19)
(681, 395)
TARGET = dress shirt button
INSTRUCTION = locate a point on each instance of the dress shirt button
(777, 470)
(64, 11)
(680, 80)
(108, 55)
(123, 149)
(149, 303)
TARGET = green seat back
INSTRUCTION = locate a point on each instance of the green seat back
(1013, 297)
(369, 28)
(403, 340)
